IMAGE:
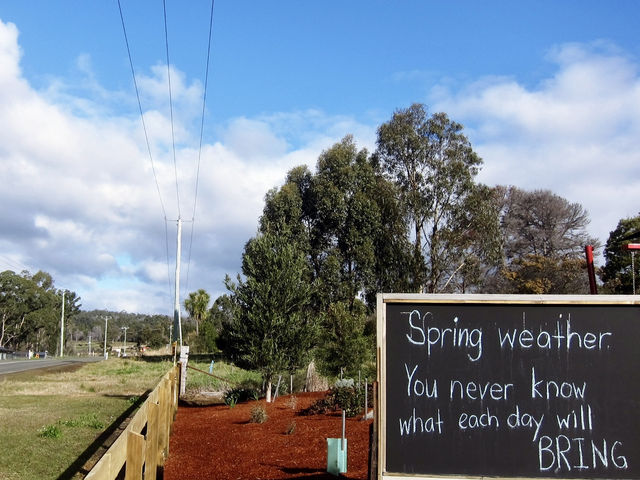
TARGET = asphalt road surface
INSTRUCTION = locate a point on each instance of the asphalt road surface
(16, 366)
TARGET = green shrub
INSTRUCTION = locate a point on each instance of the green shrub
(231, 397)
(89, 420)
(239, 395)
(258, 414)
(50, 431)
(347, 399)
(344, 396)
(92, 421)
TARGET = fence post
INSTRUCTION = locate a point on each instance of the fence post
(176, 378)
(102, 469)
(169, 390)
(162, 421)
(151, 464)
(135, 456)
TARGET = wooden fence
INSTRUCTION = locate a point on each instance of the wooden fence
(144, 444)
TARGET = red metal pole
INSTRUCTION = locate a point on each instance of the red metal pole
(593, 288)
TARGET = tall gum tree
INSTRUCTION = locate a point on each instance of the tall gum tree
(348, 219)
(30, 308)
(434, 166)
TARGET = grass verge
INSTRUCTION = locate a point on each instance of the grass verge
(49, 420)
(228, 377)
(232, 375)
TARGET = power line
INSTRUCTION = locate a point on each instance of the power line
(208, 56)
(146, 137)
(144, 125)
(173, 138)
(13, 264)
(204, 101)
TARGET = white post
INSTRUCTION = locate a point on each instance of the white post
(366, 399)
(124, 347)
(89, 345)
(177, 324)
(105, 336)
(62, 328)
(184, 359)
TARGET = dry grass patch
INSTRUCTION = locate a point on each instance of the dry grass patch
(78, 405)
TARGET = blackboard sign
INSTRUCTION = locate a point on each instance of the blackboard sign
(534, 387)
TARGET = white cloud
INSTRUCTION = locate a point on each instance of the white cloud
(576, 133)
(9, 53)
(84, 204)
(253, 140)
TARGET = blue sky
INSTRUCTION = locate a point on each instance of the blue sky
(548, 91)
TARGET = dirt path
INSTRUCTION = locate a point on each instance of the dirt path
(219, 442)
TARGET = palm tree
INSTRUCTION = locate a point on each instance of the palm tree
(198, 306)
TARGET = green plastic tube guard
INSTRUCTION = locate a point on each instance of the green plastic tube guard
(336, 455)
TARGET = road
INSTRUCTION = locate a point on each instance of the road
(23, 365)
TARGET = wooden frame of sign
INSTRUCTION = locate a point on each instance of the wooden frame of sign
(508, 386)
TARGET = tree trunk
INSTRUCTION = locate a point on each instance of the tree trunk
(4, 319)
(268, 392)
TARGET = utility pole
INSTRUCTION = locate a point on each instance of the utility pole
(124, 348)
(106, 318)
(177, 324)
(62, 328)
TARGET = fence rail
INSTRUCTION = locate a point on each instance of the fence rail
(143, 446)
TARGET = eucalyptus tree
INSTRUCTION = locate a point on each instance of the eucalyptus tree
(14, 307)
(290, 210)
(434, 166)
(30, 309)
(392, 246)
(346, 222)
(347, 218)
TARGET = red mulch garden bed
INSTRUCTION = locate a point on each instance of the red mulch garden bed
(218, 442)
